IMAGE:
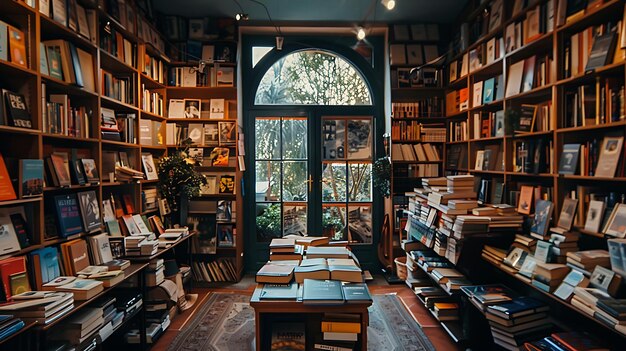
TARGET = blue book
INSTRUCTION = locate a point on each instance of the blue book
(48, 263)
(68, 215)
(279, 291)
(356, 293)
(11, 329)
(489, 90)
(31, 178)
(322, 292)
(518, 307)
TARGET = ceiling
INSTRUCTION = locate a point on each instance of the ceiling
(319, 11)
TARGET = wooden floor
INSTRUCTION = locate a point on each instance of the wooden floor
(429, 325)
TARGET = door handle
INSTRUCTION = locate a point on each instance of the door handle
(310, 181)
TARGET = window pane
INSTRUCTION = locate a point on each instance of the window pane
(294, 139)
(333, 133)
(258, 52)
(312, 77)
(268, 220)
(360, 139)
(334, 182)
(294, 218)
(360, 182)
(334, 222)
(267, 181)
(360, 224)
(267, 138)
(295, 181)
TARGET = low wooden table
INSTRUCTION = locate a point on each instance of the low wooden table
(264, 310)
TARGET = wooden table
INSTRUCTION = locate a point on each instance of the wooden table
(266, 308)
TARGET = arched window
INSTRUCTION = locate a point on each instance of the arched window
(313, 77)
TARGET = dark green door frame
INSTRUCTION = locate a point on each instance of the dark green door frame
(257, 253)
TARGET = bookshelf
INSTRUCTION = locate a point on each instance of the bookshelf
(140, 62)
(553, 89)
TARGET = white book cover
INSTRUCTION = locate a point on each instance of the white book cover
(217, 108)
(44, 7)
(190, 78)
(141, 224)
(514, 81)
(149, 167)
(8, 237)
(477, 94)
(176, 108)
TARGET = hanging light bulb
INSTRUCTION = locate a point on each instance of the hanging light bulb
(241, 17)
(360, 33)
(389, 4)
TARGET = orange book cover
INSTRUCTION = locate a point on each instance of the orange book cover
(17, 46)
(446, 306)
(8, 267)
(6, 187)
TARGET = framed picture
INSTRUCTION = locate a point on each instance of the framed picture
(617, 223)
(225, 235)
(595, 213)
(568, 212)
(192, 108)
(227, 133)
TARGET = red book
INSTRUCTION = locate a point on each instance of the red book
(8, 267)
(6, 188)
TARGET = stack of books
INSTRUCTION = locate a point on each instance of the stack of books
(524, 242)
(450, 277)
(586, 299)
(586, 261)
(612, 312)
(285, 249)
(328, 252)
(573, 279)
(108, 278)
(9, 325)
(127, 174)
(446, 311)
(562, 244)
(483, 296)
(493, 255)
(342, 327)
(80, 326)
(548, 276)
(277, 272)
(111, 316)
(517, 321)
(43, 307)
(470, 225)
(155, 272)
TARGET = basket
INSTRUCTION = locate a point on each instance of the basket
(401, 270)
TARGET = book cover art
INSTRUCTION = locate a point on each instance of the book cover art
(90, 170)
(68, 215)
(226, 235)
(17, 44)
(227, 184)
(21, 230)
(60, 162)
(8, 238)
(31, 178)
(90, 211)
(6, 187)
(224, 211)
(569, 159)
(19, 283)
(17, 109)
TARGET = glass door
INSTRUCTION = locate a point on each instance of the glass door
(282, 176)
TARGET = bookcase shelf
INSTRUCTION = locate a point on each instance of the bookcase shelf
(71, 187)
(117, 105)
(56, 84)
(21, 201)
(11, 69)
(593, 16)
(112, 63)
(119, 144)
(60, 138)
(50, 29)
(151, 83)
(612, 125)
(541, 44)
(533, 94)
(150, 115)
(18, 130)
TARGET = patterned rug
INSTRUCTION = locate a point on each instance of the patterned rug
(226, 323)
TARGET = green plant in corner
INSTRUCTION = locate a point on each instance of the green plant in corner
(178, 178)
(382, 176)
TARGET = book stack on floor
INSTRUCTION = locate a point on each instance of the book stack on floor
(586, 261)
(43, 307)
(518, 321)
(340, 330)
(9, 325)
(569, 341)
(548, 276)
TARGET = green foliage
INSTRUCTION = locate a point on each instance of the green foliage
(382, 176)
(269, 223)
(178, 177)
(331, 220)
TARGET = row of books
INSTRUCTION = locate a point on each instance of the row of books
(118, 87)
(415, 170)
(589, 105)
(426, 107)
(202, 134)
(114, 43)
(533, 156)
(154, 68)
(9, 325)
(199, 108)
(592, 48)
(487, 91)
(126, 16)
(538, 21)
(74, 16)
(219, 270)
(402, 77)
(117, 126)
(528, 74)
(422, 152)
(212, 76)
(66, 62)
(152, 101)
(151, 132)
(61, 117)
(413, 131)
(412, 54)
(487, 125)
(318, 292)
(456, 157)
(483, 55)
(590, 160)
(284, 271)
(491, 158)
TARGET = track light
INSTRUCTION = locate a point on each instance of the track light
(360, 33)
(389, 4)
(241, 17)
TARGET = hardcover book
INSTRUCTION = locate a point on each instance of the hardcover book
(30, 178)
(8, 238)
(601, 51)
(17, 44)
(90, 211)
(569, 159)
(68, 215)
(356, 293)
(609, 156)
(288, 336)
(541, 220)
(60, 164)
(279, 291)
(322, 292)
(90, 171)
(17, 110)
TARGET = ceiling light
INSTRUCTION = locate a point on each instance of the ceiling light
(360, 34)
(389, 4)
(241, 17)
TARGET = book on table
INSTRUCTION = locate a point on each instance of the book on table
(322, 292)
(279, 291)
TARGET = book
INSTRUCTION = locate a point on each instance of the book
(83, 289)
(609, 157)
(279, 291)
(60, 168)
(322, 292)
(288, 336)
(30, 178)
(517, 307)
(16, 109)
(275, 273)
(569, 159)
(602, 50)
(541, 220)
(89, 211)
(8, 237)
(18, 220)
(149, 167)
(6, 187)
(217, 109)
(68, 215)
(8, 267)
(17, 47)
(568, 212)
(356, 293)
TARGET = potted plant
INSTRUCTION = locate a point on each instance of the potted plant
(331, 224)
(179, 181)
